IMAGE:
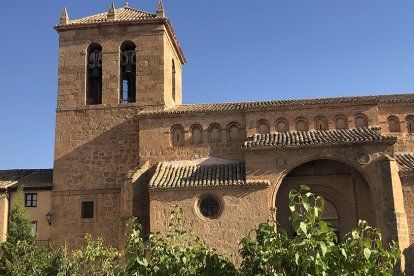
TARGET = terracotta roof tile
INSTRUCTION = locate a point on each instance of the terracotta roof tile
(224, 175)
(405, 161)
(27, 179)
(121, 14)
(318, 137)
(261, 105)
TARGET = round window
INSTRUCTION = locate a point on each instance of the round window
(209, 207)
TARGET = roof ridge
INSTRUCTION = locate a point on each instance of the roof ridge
(252, 105)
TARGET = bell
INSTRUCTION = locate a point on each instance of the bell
(96, 72)
(129, 69)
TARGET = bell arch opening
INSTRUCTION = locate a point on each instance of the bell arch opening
(348, 197)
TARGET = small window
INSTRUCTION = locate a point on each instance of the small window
(361, 121)
(196, 135)
(87, 209)
(393, 124)
(31, 200)
(301, 125)
(234, 133)
(177, 136)
(341, 123)
(410, 124)
(33, 226)
(321, 123)
(263, 127)
(209, 207)
(282, 126)
(215, 134)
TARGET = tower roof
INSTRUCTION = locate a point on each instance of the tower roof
(124, 15)
(121, 15)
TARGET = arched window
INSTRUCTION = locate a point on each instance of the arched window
(410, 124)
(233, 131)
(393, 124)
(361, 120)
(301, 124)
(263, 127)
(128, 72)
(282, 125)
(341, 122)
(94, 75)
(321, 123)
(173, 79)
(214, 132)
(177, 135)
(196, 135)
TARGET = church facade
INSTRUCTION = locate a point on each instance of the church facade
(126, 146)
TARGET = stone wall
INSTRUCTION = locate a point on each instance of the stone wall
(243, 208)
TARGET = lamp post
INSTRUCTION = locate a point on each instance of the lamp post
(49, 218)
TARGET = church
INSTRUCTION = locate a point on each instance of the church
(126, 146)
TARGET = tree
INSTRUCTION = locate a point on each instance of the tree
(19, 222)
(19, 255)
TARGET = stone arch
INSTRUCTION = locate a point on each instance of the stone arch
(301, 161)
(214, 133)
(301, 124)
(263, 126)
(341, 122)
(282, 125)
(177, 135)
(341, 184)
(410, 123)
(321, 123)
(361, 120)
(393, 124)
(233, 132)
(196, 134)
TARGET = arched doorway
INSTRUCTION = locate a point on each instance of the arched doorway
(347, 194)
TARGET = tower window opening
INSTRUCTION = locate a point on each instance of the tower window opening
(128, 72)
(94, 78)
(173, 80)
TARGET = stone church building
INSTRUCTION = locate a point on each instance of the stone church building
(127, 146)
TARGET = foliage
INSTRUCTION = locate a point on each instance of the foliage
(315, 249)
(19, 222)
(93, 259)
(177, 252)
(19, 255)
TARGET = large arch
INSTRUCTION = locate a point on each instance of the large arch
(346, 190)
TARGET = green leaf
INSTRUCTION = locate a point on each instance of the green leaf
(367, 253)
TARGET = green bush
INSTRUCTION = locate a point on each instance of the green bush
(315, 249)
(178, 252)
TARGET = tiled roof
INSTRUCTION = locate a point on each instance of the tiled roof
(122, 14)
(260, 105)
(27, 179)
(405, 161)
(318, 137)
(170, 176)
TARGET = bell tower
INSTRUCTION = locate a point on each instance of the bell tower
(112, 65)
(122, 56)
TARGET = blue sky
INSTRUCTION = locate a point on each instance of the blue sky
(236, 51)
